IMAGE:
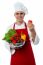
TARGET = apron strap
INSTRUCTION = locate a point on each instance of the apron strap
(25, 25)
(14, 26)
(15, 23)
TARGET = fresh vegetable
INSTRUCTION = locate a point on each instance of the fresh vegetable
(9, 34)
(23, 36)
(30, 21)
(13, 37)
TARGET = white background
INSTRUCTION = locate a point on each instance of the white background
(35, 9)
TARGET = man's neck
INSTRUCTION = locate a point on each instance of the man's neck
(19, 22)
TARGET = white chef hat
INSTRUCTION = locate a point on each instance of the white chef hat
(20, 7)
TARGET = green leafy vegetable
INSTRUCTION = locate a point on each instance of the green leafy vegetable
(9, 34)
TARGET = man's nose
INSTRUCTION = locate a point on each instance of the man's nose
(19, 14)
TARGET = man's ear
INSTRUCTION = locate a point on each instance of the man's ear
(23, 13)
(14, 14)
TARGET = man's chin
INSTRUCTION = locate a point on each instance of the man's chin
(19, 20)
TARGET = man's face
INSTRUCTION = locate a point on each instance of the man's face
(19, 15)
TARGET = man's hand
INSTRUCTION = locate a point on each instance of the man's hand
(32, 30)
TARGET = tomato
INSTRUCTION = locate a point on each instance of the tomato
(30, 21)
(14, 41)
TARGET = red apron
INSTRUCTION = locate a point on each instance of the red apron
(24, 55)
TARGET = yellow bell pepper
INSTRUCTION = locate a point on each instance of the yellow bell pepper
(23, 36)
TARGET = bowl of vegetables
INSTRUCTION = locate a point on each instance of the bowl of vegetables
(15, 40)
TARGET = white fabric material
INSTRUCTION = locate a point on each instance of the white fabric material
(36, 38)
(22, 26)
(6, 45)
(20, 7)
